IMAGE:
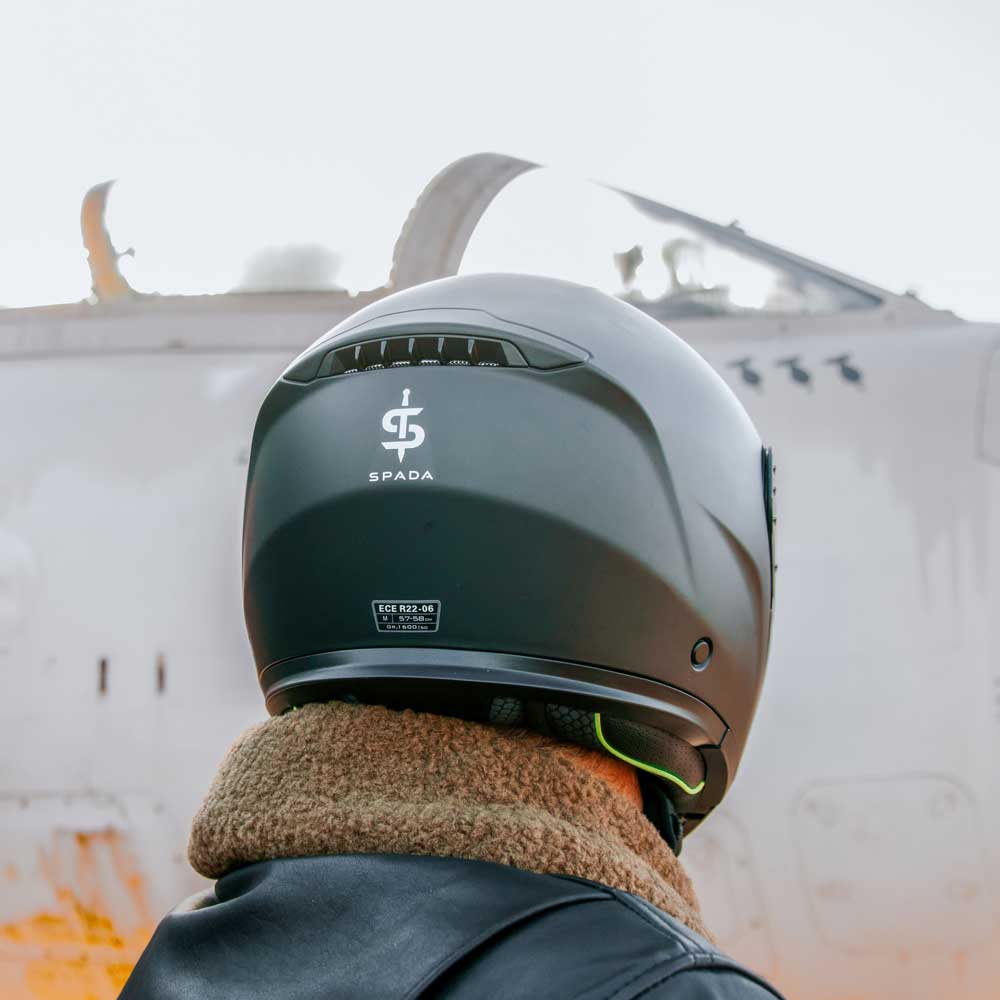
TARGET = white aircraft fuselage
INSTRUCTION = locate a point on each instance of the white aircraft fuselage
(855, 857)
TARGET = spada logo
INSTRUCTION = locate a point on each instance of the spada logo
(408, 435)
(398, 422)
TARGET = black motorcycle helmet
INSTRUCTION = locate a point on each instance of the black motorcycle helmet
(517, 500)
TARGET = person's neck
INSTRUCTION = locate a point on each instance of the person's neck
(343, 779)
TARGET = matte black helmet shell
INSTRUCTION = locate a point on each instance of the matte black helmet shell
(519, 500)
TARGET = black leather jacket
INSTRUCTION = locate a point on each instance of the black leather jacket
(366, 926)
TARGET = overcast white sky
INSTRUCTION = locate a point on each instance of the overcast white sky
(864, 135)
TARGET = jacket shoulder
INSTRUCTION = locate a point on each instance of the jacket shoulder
(612, 946)
(343, 927)
(373, 927)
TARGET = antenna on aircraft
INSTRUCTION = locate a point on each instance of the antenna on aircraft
(107, 281)
(848, 372)
(628, 263)
(795, 370)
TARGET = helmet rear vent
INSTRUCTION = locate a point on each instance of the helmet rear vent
(425, 349)
(448, 349)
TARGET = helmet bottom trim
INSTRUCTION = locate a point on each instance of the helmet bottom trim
(583, 685)
(466, 682)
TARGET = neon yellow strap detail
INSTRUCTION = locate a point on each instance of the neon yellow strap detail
(669, 775)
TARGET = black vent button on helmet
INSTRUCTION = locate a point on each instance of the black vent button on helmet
(573, 490)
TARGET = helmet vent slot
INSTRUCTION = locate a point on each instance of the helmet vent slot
(403, 352)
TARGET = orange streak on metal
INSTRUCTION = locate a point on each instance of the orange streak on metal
(76, 950)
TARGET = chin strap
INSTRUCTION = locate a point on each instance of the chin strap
(660, 811)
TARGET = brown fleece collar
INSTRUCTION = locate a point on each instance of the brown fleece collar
(347, 779)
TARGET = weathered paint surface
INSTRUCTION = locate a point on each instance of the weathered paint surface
(84, 945)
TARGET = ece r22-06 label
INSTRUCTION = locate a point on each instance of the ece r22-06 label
(406, 616)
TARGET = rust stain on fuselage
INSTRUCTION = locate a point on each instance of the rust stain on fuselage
(84, 946)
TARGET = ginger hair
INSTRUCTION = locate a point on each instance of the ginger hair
(621, 777)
